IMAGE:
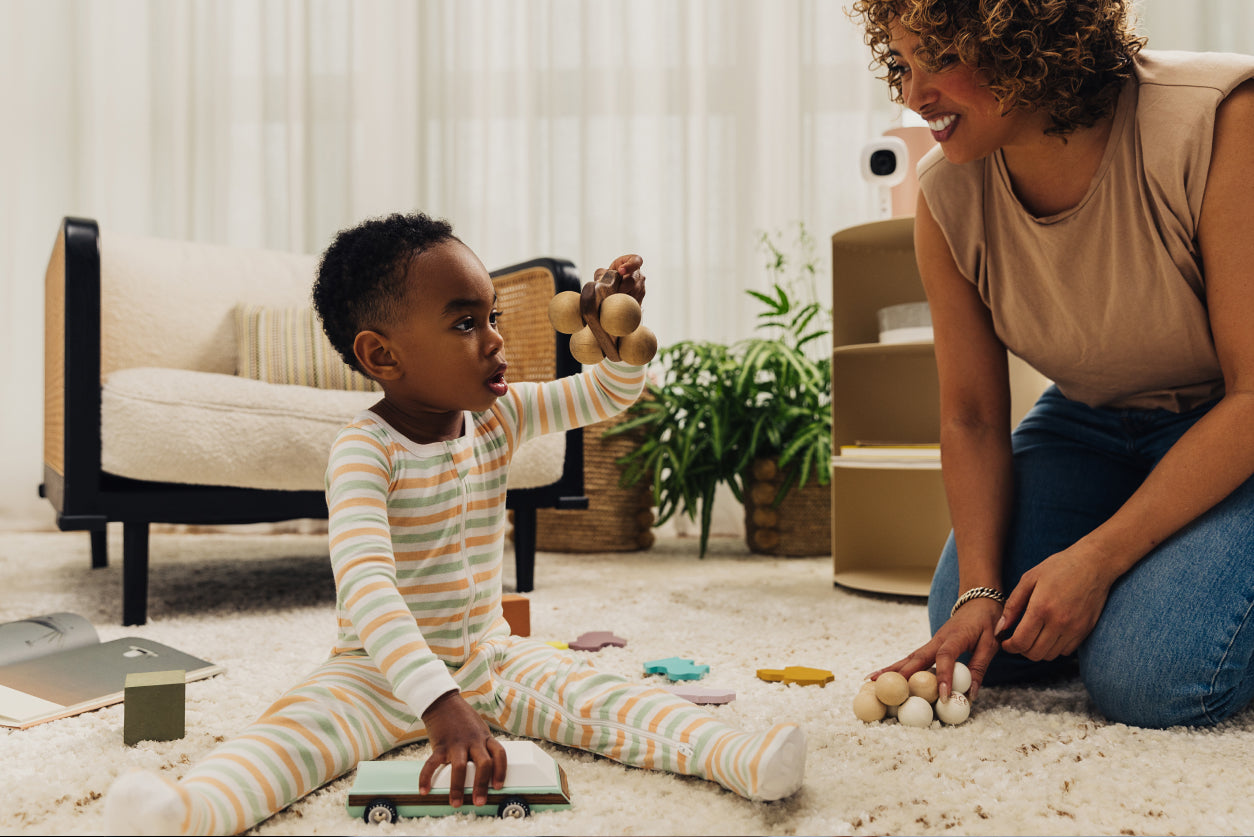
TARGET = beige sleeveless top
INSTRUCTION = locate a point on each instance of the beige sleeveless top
(1107, 299)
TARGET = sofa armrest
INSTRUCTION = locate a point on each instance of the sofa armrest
(536, 352)
(72, 375)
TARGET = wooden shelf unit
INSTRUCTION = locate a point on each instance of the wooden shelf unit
(890, 519)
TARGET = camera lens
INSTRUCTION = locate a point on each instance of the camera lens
(883, 162)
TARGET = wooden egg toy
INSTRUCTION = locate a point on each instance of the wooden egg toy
(914, 702)
(891, 689)
(962, 678)
(638, 347)
(954, 710)
(923, 684)
(603, 318)
(564, 312)
(620, 315)
(867, 707)
(915, 712)
(584, 347)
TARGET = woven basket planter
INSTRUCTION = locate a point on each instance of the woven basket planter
(800, 525)
(617, 519)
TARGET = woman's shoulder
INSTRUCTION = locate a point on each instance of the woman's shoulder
(963, 182)
(1175, 73)
(1178, 94)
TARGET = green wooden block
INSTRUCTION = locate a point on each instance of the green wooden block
(154, 706)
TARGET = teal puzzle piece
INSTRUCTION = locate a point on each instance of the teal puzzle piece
(676, 668)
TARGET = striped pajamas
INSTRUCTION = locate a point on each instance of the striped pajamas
(416, 537)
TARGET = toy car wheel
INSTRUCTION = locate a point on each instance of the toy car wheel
(379, 811)
(513, 808)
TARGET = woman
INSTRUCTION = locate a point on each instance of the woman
(1088, 210)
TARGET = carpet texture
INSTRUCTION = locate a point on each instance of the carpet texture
(1030, 761)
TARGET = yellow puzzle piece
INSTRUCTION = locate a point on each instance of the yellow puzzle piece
(801, 675)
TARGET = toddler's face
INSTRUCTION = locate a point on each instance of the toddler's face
(446, 343)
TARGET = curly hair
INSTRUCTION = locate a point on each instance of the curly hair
(1068, 58)
(360, 283)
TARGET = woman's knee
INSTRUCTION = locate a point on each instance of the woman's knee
(1157, 689)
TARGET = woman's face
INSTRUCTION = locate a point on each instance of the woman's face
(964, 116)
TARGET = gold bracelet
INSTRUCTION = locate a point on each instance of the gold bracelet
(978, 593)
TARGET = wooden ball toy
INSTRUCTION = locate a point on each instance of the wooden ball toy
(915, 712)
(584, 347)
(962, 678)
(891, 688)
(638, 347)
(564, 312)
(954, 710)
(620, 315)
(867, 708)
(923, 684)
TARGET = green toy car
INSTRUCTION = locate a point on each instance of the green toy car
(382, 791)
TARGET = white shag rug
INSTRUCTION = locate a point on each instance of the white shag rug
(1030, 761)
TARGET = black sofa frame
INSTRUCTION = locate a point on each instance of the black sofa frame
(87, 498)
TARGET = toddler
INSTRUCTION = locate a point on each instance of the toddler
(416, 501)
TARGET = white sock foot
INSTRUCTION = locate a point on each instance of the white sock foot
(143, 803)
(783, 764)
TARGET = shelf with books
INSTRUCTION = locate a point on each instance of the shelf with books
(890, 517)
(888, 455)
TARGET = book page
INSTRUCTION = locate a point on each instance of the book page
(89, 673)
(87, 677)
(40, 635)
(16, 707)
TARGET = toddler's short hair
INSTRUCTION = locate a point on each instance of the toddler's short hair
(361, 277)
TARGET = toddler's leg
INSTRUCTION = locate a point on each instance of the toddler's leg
(342, 714)
(535, 691)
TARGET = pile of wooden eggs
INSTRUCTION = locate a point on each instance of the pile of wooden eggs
(604, 320)
(914, 702)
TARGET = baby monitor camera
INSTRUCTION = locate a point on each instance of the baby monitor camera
(884, 162)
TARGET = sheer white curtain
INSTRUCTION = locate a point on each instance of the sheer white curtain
(678, 129)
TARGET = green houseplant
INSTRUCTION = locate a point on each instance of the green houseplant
(716, 410)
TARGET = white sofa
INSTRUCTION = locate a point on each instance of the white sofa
(147, 420)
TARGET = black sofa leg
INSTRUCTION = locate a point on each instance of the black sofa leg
(525, 549)
(134, 573)
(99, 549)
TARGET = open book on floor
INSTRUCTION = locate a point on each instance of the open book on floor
(55, 666)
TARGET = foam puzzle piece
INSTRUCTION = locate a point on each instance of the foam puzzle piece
(517, 610)
(560, 646)
(596, 640)
(154, 706)
(702, 694)
(676, 668)
(801, 675)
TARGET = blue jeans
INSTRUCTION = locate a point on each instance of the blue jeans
(1175, 642)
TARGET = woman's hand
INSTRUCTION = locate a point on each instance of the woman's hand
(971, 629)
(460, 737)
(1056, 604)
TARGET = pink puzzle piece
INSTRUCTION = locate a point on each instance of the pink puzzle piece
(702, 694)
(596, 640)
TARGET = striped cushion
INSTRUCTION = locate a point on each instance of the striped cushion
(287, 346)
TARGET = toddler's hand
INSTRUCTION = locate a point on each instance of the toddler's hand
(628, 267)
(460, 737)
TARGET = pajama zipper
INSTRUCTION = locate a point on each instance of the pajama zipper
(684, 749)
(470, 573)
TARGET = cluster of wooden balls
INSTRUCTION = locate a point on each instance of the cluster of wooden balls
(914, 702)
(620, 316)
